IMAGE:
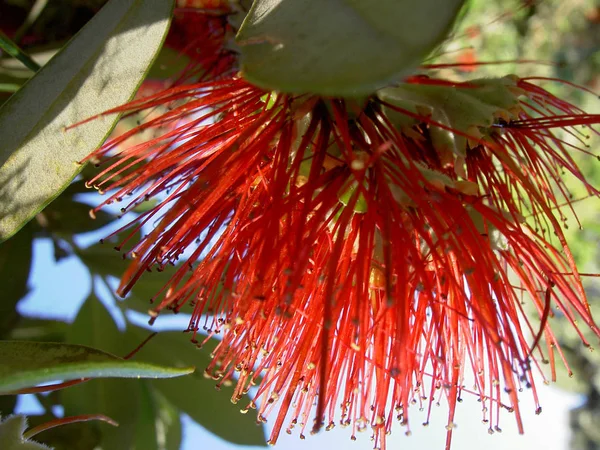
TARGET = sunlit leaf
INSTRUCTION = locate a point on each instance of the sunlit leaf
(98, 69)
(339, 47)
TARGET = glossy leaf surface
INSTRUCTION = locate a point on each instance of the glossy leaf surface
(97, 70)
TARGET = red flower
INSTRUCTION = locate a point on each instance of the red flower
(360, 254)
(201, 31)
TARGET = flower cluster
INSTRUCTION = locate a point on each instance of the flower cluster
(360, 255)
(201, 33)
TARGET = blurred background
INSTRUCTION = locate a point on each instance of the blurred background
(58, 280)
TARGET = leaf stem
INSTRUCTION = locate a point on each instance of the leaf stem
(66, 420)
(48, 387)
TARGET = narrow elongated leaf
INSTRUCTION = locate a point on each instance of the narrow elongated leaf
(100, 68)
(197, 396)
(27, 364)
(13, 69)
(13, 50)
(339, 47)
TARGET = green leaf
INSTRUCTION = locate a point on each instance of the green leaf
(469, 109)
(13, 50)
(339, 47)
(11, 69)
(100, 68)
(26, 364)
(210, 408)
(15, 264)
(11, 435)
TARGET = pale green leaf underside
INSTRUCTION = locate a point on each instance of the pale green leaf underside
(11, 435)
(339, 47)
(27, 364)
(99, 69)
